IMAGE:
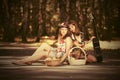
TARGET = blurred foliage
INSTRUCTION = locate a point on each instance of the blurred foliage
(36, 18)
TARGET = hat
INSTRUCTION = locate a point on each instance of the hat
(62, 25)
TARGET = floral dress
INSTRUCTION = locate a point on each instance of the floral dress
(59, 51)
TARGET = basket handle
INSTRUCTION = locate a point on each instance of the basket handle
(80, 48)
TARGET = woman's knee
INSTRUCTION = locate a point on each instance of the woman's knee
(45, 45)
(91, 58)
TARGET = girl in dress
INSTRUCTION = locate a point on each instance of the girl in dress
(78, 40)
(64, 42)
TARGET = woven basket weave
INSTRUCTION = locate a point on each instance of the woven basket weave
(73, 61)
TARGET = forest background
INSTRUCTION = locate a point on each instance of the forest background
(21, 20)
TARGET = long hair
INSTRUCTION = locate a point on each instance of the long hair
(59, 33)
(77, 30)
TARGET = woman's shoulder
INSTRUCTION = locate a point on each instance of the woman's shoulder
(68, 38)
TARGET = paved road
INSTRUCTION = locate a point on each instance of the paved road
(109, 69)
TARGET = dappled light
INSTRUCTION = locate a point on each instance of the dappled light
(37, 18)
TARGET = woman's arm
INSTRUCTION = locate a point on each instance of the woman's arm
(79, 44)
(90, 40)
(69, 44)
(54, 44)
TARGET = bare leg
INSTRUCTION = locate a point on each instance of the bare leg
(91, 58)
(41, 52)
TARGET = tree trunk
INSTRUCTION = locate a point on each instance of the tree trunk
(25, 22)
(63, 13)
(9, 33)
(43, 11)
(72, 11)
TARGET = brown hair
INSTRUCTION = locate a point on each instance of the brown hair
(77, 30)
(63, 26)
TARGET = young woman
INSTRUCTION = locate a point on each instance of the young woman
(64, 45)
(78, 38)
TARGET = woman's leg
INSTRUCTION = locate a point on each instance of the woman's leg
(91, 58)
(41, 52)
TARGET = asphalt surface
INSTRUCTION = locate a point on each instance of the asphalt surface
(109, 69)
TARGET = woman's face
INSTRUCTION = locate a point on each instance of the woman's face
(72, 27)
(63, 31)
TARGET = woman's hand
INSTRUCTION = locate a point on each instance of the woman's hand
(92, 38)
(76, 43)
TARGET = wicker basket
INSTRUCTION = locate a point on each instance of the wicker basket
(52, 62)
(73, 61)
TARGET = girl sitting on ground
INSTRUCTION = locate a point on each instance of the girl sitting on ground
(44, 51)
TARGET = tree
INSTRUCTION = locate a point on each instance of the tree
(63, 12)
(41, 17)
(8, 20)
